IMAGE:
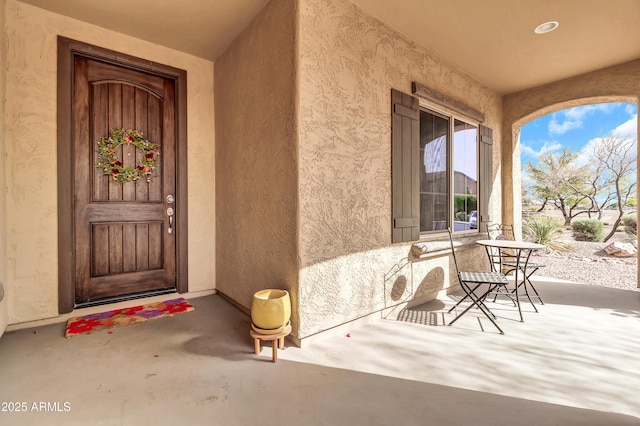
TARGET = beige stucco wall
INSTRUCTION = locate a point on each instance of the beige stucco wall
(256, 158)
(349, 62)
(4, 305)
(615, 84)
(30, 140)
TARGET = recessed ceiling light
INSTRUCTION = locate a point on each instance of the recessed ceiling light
(547, 27)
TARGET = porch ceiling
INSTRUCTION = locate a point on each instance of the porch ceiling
(492, 40)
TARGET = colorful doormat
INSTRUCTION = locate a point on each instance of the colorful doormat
(94, 322)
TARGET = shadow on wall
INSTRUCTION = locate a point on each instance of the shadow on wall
(399, 282)
(431, 284)
(396, 282)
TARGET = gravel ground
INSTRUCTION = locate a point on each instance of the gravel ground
(587, 263)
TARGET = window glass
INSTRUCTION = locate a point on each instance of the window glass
(465, 179)
(434, 140)
(438, 152)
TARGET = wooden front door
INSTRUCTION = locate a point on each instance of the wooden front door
(124, 237)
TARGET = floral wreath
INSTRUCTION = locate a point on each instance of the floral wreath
(109, 162)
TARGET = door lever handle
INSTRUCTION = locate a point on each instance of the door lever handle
(170, 214)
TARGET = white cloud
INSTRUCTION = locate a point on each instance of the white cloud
(572, 118)
(578, 113)
(546, 148)
(585, 156)
(631, 109)
(556, 128)
(526, 150)
(628, 129)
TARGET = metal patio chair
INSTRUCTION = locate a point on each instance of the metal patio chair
(503, 262)
(470, 281)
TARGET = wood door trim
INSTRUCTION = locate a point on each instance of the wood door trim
(68, 50)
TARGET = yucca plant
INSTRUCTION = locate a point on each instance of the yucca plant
(545, 230)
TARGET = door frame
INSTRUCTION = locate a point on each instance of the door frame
(68, 50)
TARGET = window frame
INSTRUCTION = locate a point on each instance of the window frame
(405, 161)
(452, 116)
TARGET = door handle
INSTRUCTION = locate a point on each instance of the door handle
(170, 214)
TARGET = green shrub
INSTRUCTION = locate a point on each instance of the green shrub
(545, 230)
(465, 203)
(630, 223)
(588, 230)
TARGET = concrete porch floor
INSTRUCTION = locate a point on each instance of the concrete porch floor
(577, 362)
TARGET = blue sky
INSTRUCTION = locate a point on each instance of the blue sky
(576, 127)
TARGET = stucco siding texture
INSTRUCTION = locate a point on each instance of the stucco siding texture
(349, 62)
(256, 158)
(4, 303)
(30, 140)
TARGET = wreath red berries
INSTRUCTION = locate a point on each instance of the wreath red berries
(109, 162)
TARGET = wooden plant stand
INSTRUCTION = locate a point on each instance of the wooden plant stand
(277, 339)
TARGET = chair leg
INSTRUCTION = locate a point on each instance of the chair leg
(536, 292)
(527, 283)
(532, 287)
(518, 297)
(479, 302)
(468, 292)
(480, 305)
(495, 289)
(504, 292)
(466, 296)
(487, 315)
(526, 291)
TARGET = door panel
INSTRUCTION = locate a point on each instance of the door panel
(122, 105)
(125, 247)
(122, 242)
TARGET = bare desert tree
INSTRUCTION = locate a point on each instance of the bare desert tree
(616, 159)
(597, 188)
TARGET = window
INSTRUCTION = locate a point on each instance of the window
(438, 196)
(441, 171)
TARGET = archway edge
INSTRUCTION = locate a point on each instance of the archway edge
(620, 83)
(550, 109)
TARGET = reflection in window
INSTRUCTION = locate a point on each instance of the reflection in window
(465, 180)
(434, 136)
(436, 150)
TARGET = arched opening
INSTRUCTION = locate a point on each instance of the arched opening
(580, 163)
(516, 133)
(579, 174)
(615, 84)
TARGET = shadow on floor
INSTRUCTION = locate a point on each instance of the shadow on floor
(199, 368)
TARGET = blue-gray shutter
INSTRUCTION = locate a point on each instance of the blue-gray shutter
(405, 165)
(485, 176)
